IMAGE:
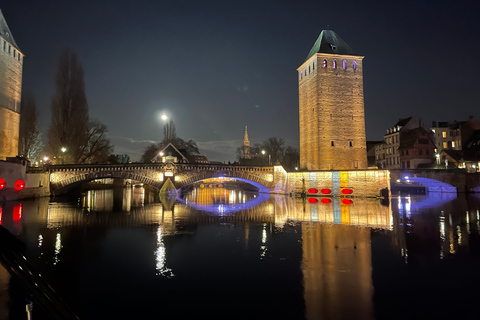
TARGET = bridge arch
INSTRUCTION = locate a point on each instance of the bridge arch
(65, 180)
(261, 182)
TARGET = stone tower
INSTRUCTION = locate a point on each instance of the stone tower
(332, 115)
(11, 65)
(246, 146)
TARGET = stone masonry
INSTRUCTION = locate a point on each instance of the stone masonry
(11, 66)
(331, 107)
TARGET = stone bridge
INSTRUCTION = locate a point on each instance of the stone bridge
(155, 174)
(438, 180)
(270, 179)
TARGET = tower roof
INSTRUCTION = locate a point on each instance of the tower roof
(5, 32)
(245, 138)
(329, 42)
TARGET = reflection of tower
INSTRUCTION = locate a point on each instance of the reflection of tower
(331, 107)
(11, 65)
(246, 146)
(337, 271)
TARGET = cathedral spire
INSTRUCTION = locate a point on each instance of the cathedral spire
(246, 146)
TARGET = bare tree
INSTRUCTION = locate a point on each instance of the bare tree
(30, 142)
(97, 147)
(169, 132)
(69, 124)
(274, 148)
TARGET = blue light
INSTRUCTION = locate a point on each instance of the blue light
(257, 106)
(406, 177)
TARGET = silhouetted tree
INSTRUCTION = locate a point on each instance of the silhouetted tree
(30, 142)
(274, 148)
(85, 141)
(170, 136)
(97, 147)
(291, 158)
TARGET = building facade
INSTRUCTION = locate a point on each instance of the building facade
(11, 66)
(331, 107)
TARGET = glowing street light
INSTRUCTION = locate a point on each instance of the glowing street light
(63, 149)
(164, 117)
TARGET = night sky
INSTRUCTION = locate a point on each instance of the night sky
(216, 66)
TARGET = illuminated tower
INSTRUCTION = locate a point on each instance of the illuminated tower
(11, 65)
(246, 146)
(331, 107)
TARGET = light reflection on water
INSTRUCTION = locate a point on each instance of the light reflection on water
(319, 251)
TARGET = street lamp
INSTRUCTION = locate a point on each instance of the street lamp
(164, 117)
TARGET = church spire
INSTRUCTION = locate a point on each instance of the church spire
(246, 146)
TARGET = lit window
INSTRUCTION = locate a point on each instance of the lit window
(453, 144)
(334, 64)
(324, 63)
(344, 64)
(445, 145)
(444, 134)
(354, 65)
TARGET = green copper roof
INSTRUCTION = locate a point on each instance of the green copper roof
(330, 42)
(5, 32)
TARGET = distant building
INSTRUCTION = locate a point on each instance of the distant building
(461, 159)
(454, 135)
(331, 107)
(417, 149)
(171, 154)
(406, 145)
(11, 67)
(386, 154)
(371, 149)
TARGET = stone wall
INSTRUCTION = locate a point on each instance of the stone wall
(11, 65)
(364, 183)
(331, 113)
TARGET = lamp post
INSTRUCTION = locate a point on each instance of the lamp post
(263, 157)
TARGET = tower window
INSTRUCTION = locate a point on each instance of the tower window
(313, 65)
(324, 63)
(351, 144)
(333, 143)
(344, 64)
(301, 74)
(354, 65)
(309, 69)
(334, 64)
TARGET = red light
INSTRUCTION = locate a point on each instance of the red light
(17, 213)
(312, 190)
(19, 185)
(326, 191)
(347, 201)
(1, 215)
(312, 200)
(347, 191)
(2, 183)
(326, 200)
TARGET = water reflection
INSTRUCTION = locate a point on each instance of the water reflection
(230, 234)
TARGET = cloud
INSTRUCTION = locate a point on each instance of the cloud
(125, 145)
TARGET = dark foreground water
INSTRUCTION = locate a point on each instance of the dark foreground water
(220, 254)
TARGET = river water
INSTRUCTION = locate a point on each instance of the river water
(228, 254)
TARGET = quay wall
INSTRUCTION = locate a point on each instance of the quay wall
(36, 184)
(364, 183)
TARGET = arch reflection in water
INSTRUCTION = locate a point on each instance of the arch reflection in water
(222, 201)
